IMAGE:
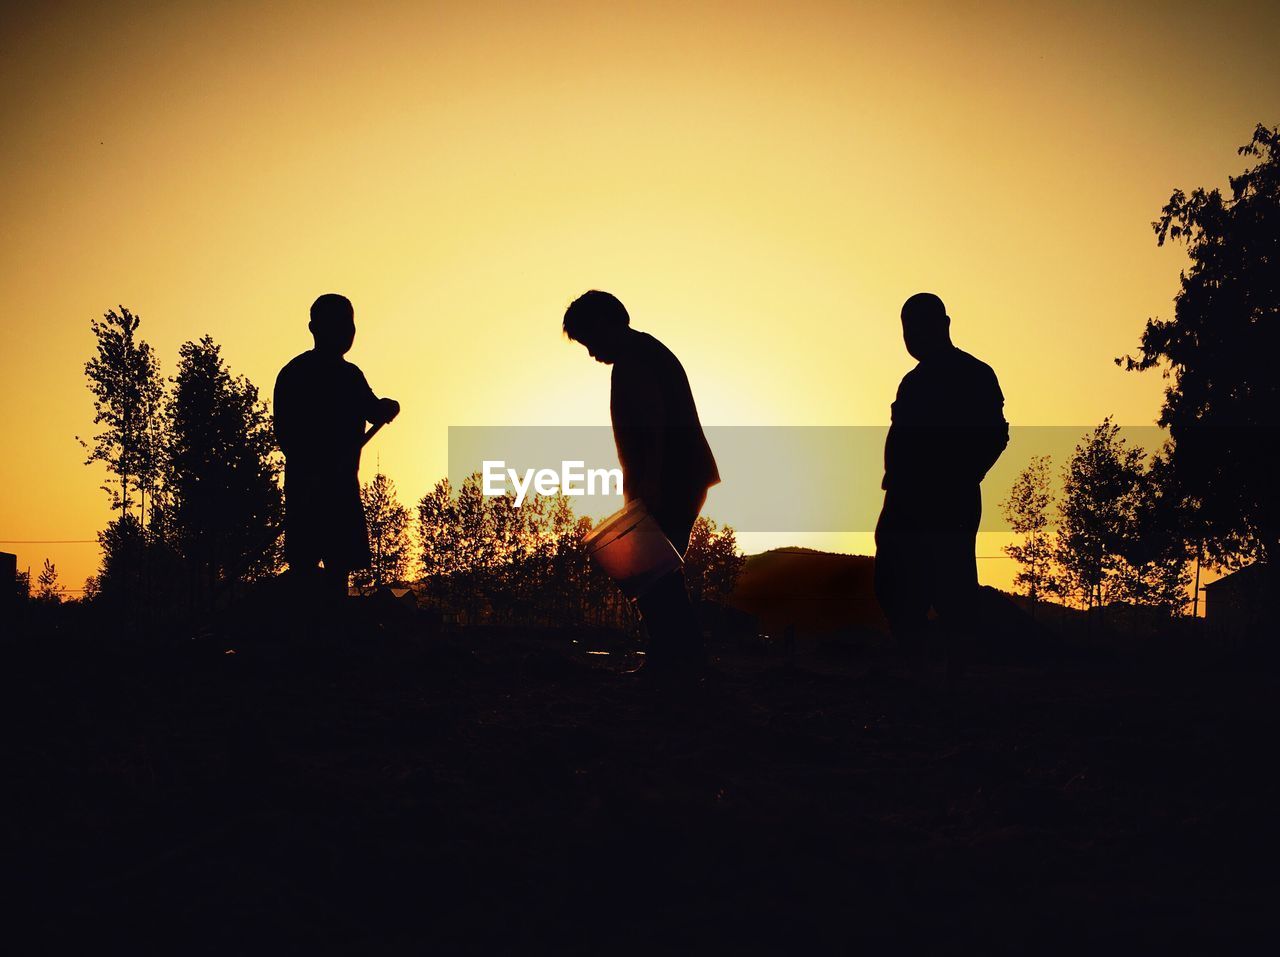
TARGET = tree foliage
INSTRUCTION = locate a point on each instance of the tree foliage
(486, 560)
(124, 378)
(390, 544)
(1101, 483)
(1027, 510)
(120, 576)
(1117, 539)
(1157, 553)
(48, 588)
(1222, 406)
(712, 562)
(223, 509)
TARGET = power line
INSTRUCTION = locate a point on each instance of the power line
(821, 554)
(94, 541)
(48, 541)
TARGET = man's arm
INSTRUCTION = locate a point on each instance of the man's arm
(994, 431)
(375, 410)
(635, 406)
(907, 449)
(283, 414)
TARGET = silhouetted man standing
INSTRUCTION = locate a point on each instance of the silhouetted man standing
(947, 430)
(322, 403)
(665, 459)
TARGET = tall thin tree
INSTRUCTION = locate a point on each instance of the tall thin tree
(124, 378)
(1027, 512)
(390, 548)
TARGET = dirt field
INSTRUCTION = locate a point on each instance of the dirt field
(498, 792)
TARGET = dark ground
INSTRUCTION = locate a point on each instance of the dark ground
(493, 792)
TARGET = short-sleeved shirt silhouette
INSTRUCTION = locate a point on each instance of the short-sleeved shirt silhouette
(654, 417)
(948, 427)
(322, 403)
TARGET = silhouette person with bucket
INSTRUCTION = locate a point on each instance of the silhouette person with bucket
(667, 466)
(948, 429)
(322, 403)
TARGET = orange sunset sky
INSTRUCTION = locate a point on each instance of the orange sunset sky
(761, 184)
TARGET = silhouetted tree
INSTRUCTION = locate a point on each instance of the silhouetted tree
(138, 566)
(389, 541)
(1179, 512)
(596, 598)
(1156, 553)
(1119, 538)
(127, 390)
(123, 545)
(1027, 512)
(485, 559)
(22, 585)
(473, 542)
(559, 561)
(48, 589)
(506, 531)
(222, 468)
(1101, 486)
(712, 562)
(1220, 348)
(437, 516)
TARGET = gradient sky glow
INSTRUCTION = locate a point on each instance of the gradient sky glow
(761, 184)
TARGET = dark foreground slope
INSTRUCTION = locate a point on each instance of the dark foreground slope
(494, 792)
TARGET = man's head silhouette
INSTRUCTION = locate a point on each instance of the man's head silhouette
(926, 327)
(600, 322)
(333, 323)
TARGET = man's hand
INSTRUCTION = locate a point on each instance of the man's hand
(388, 409)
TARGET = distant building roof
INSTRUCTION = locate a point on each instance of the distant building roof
(1242, 604)
(1244, 576)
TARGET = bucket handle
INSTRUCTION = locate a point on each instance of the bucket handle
(621, 535)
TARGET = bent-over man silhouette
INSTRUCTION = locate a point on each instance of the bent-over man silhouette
(322, 403)
(948, 429)
(666, 461)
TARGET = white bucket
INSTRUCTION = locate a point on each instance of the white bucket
(632, 549)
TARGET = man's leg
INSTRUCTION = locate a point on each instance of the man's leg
(305, 587)
(304, 552)
(319, 576)
(902, 580)
(336, 580)
(956, 595)
(675, 641)
(345, 549)
(675, 637)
